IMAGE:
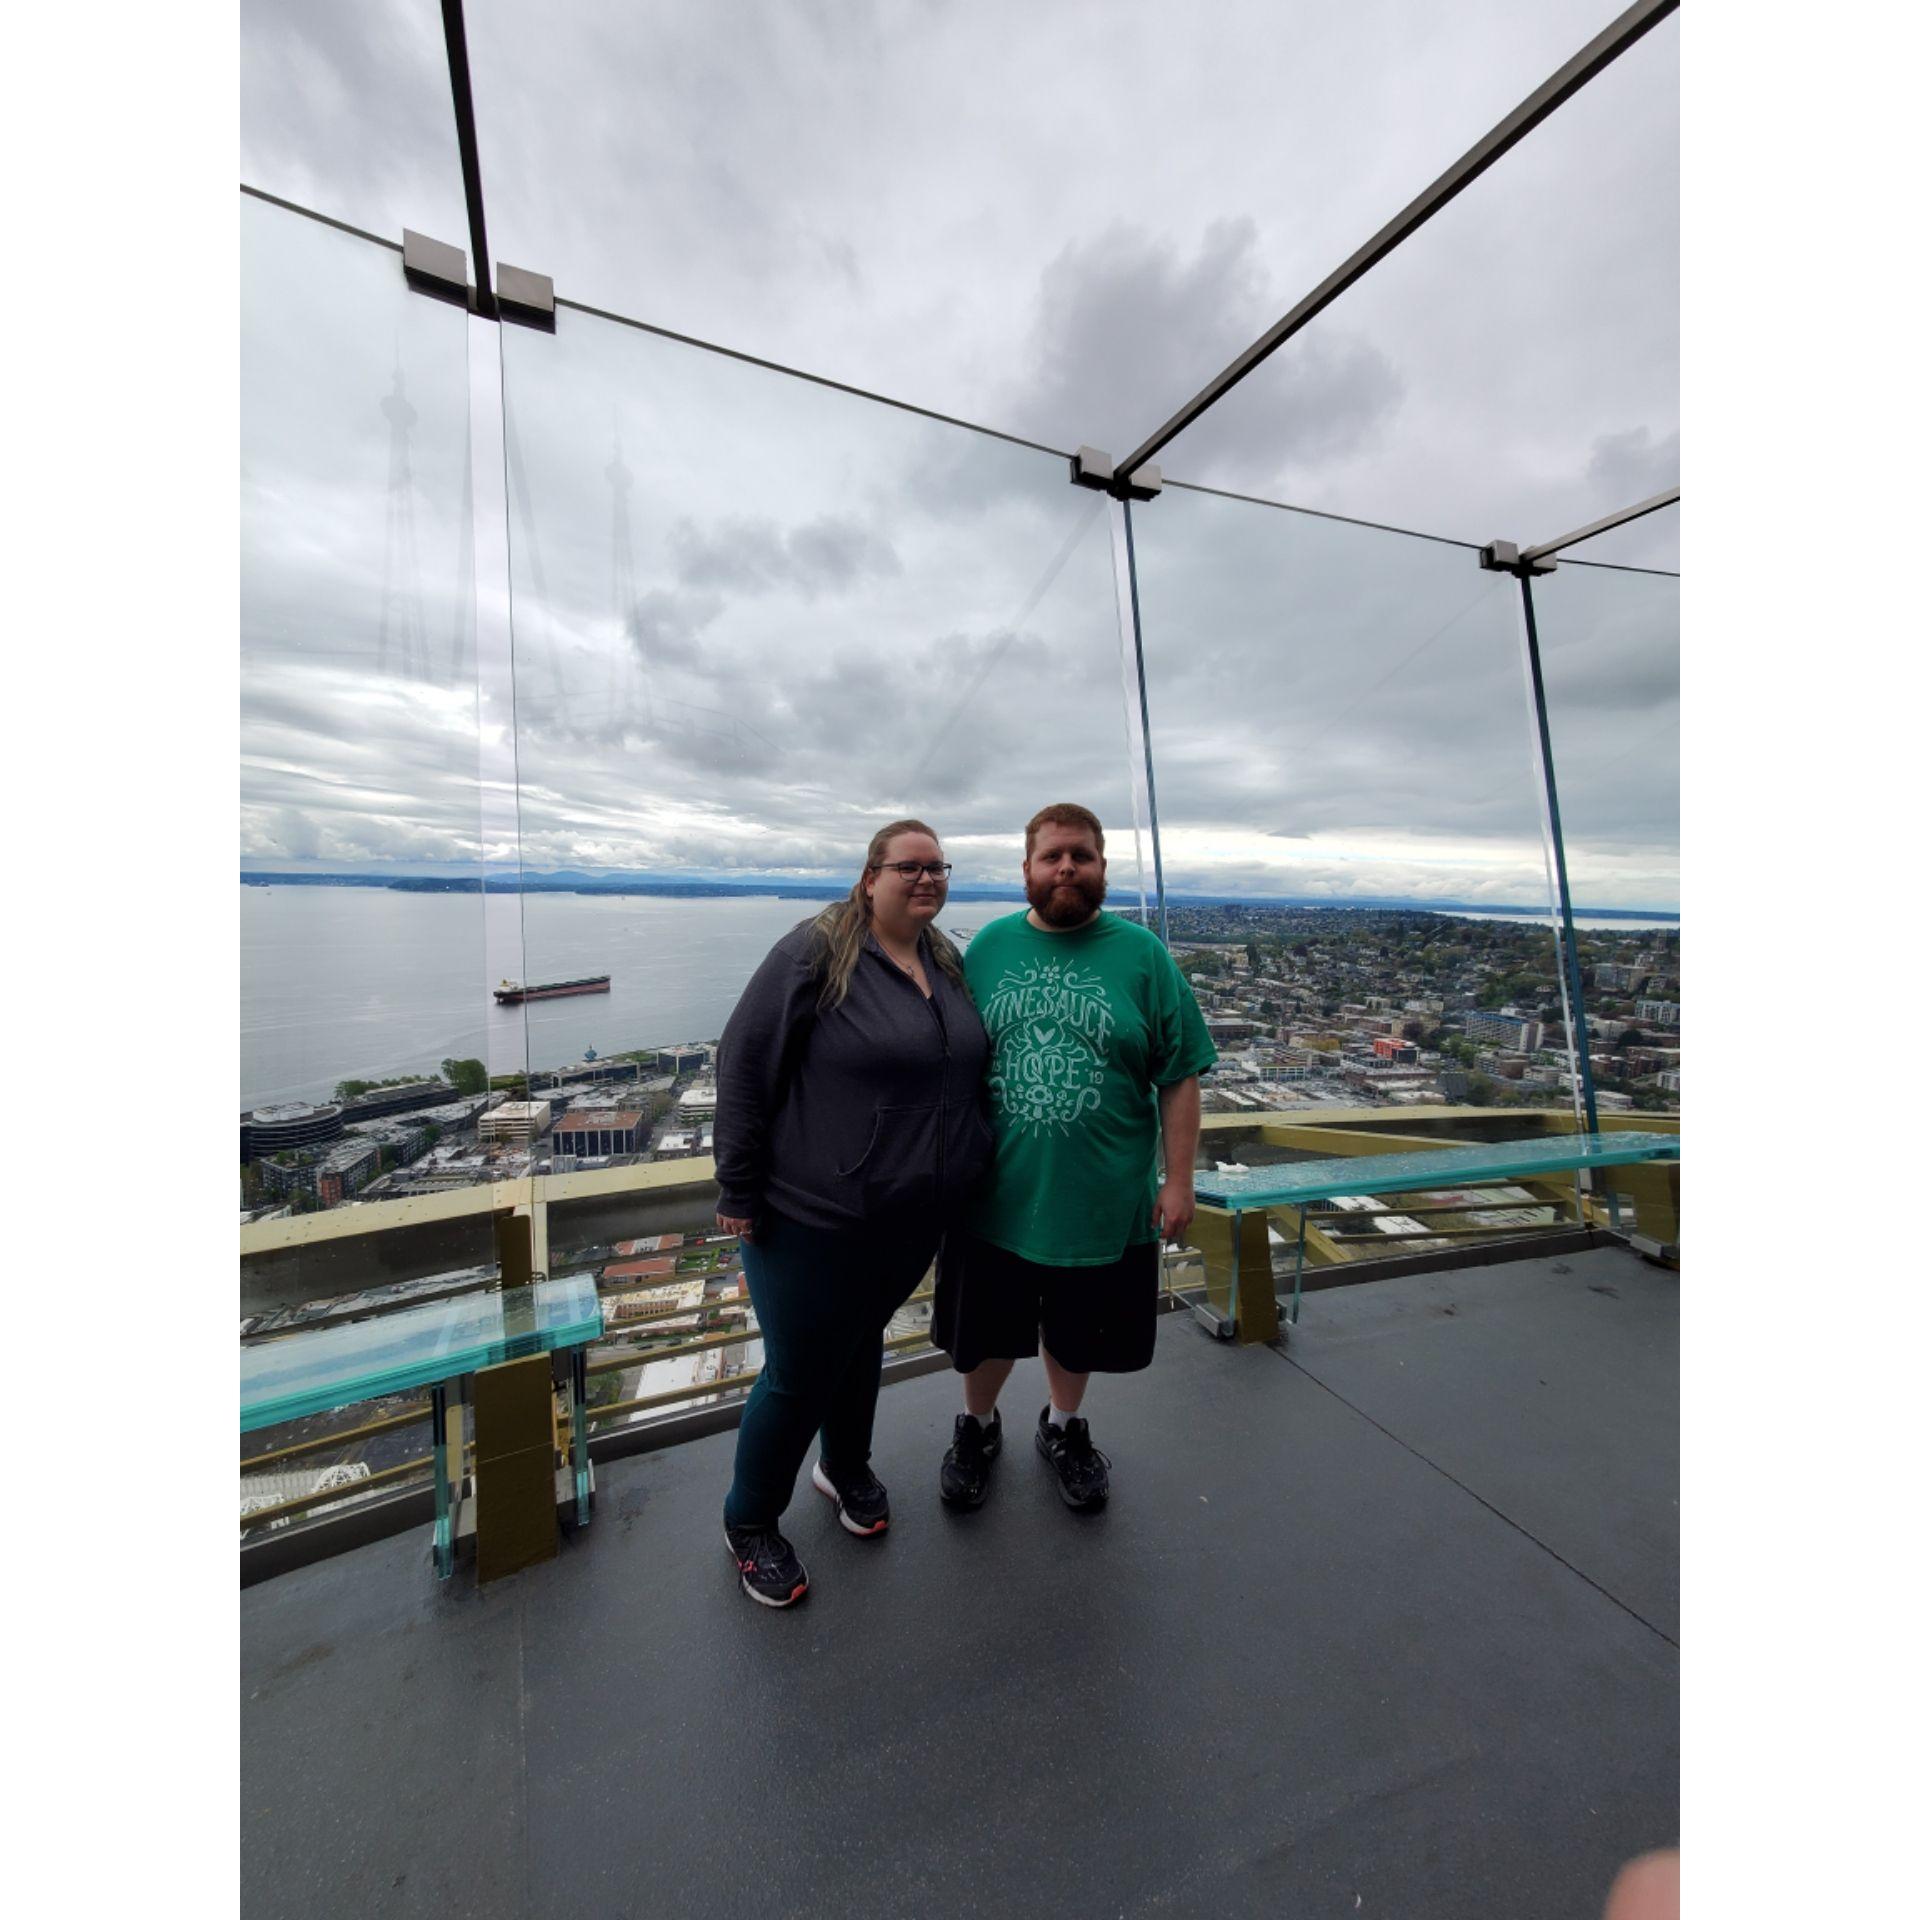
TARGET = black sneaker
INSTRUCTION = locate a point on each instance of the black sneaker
(770, 1570)
(858, 1498)
(963, 1473)
(1078, 1465)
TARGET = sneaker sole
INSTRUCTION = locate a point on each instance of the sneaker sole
(765, 1599)
(852, 1525)
(1089, 1503)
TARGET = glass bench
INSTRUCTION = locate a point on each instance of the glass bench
(436, 1347)
(1307, 1183)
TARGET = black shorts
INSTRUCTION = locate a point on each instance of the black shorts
(989, 1304)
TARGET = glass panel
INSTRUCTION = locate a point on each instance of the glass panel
(1351, 828)
(1610, 661)
(366, 727)
(1512, 369)
(754, 619)
(346, 107)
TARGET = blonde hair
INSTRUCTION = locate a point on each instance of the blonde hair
(842, 928)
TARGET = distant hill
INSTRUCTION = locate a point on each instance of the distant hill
(784, 887)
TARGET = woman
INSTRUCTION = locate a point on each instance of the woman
(851, 1124)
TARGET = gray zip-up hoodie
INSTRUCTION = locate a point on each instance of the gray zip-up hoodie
(873, 1110)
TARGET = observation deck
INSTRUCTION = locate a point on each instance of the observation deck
(1384, 1622)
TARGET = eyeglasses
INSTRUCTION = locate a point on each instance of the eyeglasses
(913, 869)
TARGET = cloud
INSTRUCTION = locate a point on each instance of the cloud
(825, 555)
(785, 613)
(1114, 310)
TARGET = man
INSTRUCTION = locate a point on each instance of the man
(1097, 1047)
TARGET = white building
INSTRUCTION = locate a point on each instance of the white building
(517, 1120)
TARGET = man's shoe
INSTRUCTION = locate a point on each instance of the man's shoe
(770, 1570)
(1078, 1465)
(963, 1473)
(858, 1498)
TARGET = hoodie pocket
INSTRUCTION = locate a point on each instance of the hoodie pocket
(900, 1166)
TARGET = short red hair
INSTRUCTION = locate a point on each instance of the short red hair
(1063, 813)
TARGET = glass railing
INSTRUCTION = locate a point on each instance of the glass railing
(375, 724)
(1610, 658)
(754, 619)
(1349, 813)
(579, 666)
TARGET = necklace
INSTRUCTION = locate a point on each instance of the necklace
(910, 966)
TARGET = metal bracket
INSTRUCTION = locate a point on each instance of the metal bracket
(439, 270)
(435, 268)
(525, 297)
(1504, 556)
(1092, 468)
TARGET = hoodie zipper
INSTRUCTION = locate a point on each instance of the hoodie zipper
(946, 1069)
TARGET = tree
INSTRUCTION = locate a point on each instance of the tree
(465, 1076)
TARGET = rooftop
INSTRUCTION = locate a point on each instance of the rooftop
(1384, 1621)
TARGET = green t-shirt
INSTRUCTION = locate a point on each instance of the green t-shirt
(1085, 1027)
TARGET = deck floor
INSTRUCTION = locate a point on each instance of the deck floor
(1385, 1623)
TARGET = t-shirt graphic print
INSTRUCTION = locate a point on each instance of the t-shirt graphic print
(1086, 1026)
(1051, 1025)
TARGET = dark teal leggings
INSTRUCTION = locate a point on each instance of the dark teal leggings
(823, 1301)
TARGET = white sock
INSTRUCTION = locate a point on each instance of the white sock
(1056, 1418)
(985, 1419)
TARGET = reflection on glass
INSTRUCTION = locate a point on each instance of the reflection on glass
(1349, 817)
(1610, 662)
(753, 620)
(365, 1056)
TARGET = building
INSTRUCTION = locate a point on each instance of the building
(520, 1121)
(657, 1302)
(1611, 977)
(1668, 1081)
(1508, 1030)
(599, 1130)
(327, 1173)
(683, 1060)
(381, 1101)
(588, 1073)
(1395, 1053)
(287, 1128)
(703, 1097)
(1660, 1013)
(630, 1273)
(650, 1243)
(1226, 1029)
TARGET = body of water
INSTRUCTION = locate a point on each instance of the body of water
(344, 983)
(1593, 922)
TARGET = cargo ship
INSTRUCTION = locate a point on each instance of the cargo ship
(510, 993)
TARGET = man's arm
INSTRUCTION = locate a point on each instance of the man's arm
(1180, 1136)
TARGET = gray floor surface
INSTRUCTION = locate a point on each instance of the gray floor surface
(1380, 1624)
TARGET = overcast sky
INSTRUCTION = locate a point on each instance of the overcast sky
(752, 617)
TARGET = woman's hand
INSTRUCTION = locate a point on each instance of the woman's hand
(727, 1224)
